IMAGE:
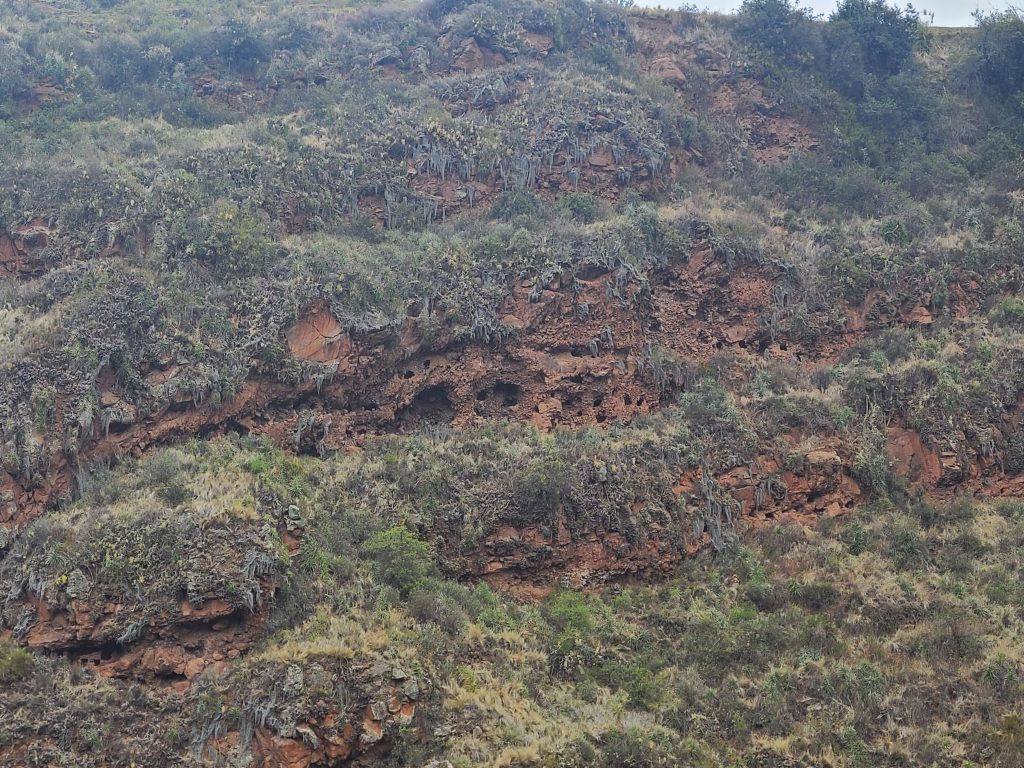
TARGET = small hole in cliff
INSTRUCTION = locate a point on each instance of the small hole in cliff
(627, 399)
(508, 392)
(743, 343)
(483, 394)
(591, 272)
(719, 344)
(426, 363)
(783, 346)
(117, 428)
(655, 325)
(598, 401)
(639, 402)
(179, 406)
(408, 375)
(601, 417)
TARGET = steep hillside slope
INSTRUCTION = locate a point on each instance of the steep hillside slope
(509, 383)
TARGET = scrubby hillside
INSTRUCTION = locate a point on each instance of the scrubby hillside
(513, 383)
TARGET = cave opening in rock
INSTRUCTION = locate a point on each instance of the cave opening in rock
(432, 404)
(508, 393)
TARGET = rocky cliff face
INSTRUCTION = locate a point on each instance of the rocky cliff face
(605, 325)
(630, 352)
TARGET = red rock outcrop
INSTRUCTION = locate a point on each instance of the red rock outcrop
(669, 54)
(20, 249)
(558, 366)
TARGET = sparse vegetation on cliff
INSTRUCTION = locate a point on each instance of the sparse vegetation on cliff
(841, 644)
(513, 383)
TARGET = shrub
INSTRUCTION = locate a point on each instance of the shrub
(996, 59)
(13, 76)
(239, 46)
(815, 594)
(570, 615)
(869, 40)
(643, 686)
(401, 559)
(15, 662)
(540, 488)
(996, 151)
(580, 206)
(906, 548)
(513, 203)
(925, 175)
(164, 474)
(635, 748)
(955, 633)
(1012, 509)
(871, 464)
(431, 601)
(895, 232)
(1009, 312)
(779, 33)
(234, 240)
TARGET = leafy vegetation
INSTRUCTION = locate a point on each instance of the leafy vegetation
(841, 645)
(803, 549)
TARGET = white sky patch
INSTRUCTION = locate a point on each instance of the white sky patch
(948, 13)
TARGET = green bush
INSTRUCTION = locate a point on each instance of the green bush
(815, 594)
(234, 240)
(779, 33)
(642, 685)
(513, 203)
(872, 466)
(906, 547)
(855, 536)
(996, 57)
(869, 40)
(570, 615)
(925, 175)
(580, 206)
(433, 601)
(165, 475)
(1009, 312)
(996, 152)
(540, 488)
(15, 662)
(401, 559)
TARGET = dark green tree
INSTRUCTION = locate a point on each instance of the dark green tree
(869, 41)
(780, 33)
(996, 59)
